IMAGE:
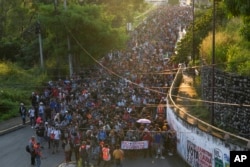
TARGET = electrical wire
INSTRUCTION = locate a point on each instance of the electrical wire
(152, 90)
(146, 73)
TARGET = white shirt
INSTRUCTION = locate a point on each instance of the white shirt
(32, 112)
(57, 134)
(49, 130)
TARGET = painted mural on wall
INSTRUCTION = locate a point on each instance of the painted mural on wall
(226, 160)
(218, 158)
(197, 156)
(198, 148)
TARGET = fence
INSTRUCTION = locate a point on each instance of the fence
(204, 126)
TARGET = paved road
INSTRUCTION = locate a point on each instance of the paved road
(12, 154)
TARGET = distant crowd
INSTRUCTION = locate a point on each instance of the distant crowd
(96, 110)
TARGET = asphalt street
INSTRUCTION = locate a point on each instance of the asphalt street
(13, 154)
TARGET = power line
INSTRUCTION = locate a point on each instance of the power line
(112, 72)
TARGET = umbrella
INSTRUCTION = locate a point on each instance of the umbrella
(143, 121)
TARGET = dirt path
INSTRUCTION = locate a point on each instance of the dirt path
(186, 90)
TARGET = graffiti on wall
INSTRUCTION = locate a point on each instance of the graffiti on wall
(226, 160)
(197, 156)
(218, 158)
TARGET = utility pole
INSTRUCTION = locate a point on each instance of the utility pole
(38, 32)
(193, 57)
(213, 61)
(69, 46)
(55, 5)
(70, 57)
(65, 4)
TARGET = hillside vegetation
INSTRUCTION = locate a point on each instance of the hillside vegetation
(20, 72)
(77, 32)
(16, 86)
(232, 45)
(232, 51)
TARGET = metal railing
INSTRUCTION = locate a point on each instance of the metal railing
(204, 126)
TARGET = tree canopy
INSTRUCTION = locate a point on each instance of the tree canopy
(93, 28)
(241, 8)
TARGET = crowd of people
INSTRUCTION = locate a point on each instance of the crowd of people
(89, 114)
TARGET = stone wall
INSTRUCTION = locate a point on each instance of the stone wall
(232, 100)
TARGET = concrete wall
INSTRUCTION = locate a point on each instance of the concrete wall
(199, 148)
(199, 143)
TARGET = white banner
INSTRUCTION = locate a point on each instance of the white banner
(134, 145)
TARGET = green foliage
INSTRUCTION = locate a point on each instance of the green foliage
(173, 2)
(231, 51)
(238, 60)
(92, 27)
(223, 42)
(241, 8)
(9, 49)
(16, 86)
(245, 30)
(202, 26)
(238, 7)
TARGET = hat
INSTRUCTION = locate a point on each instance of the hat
(41, 103)
(21, 104)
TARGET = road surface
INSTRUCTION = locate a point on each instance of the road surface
(13, 154)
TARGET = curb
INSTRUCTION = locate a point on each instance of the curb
(14, 128)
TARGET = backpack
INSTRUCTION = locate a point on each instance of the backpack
(27, 148)
(40, 132)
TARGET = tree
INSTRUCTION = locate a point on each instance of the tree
(95, 28)
(90, 31)
(241, 8)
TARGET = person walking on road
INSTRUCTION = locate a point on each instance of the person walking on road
(106, 156)
(147, 137)
(48, 130)
(158, 141)
(56, 133)
(38, 154)
(31, 114)
(84, 154)
(40, 132)
(32, 143)
(118, 155)
(66, 145)
(23, 112)
(100, 147)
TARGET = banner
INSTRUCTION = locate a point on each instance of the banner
(134, 145)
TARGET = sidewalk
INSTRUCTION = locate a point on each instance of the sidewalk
(186, 90)
(11, 125)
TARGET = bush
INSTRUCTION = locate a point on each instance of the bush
(16, 86)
